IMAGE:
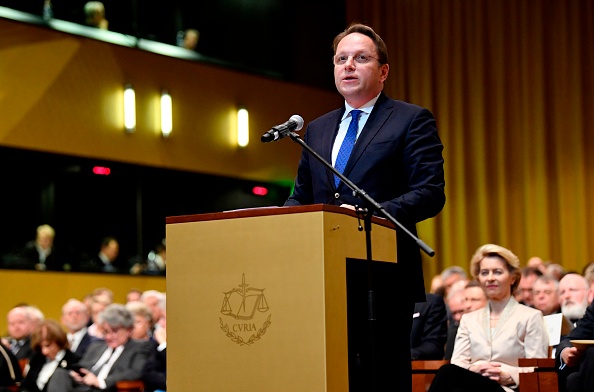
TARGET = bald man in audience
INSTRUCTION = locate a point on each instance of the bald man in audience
(20, 327)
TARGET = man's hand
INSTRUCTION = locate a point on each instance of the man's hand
(571, 356)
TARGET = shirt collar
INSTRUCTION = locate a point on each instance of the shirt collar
(366, 108)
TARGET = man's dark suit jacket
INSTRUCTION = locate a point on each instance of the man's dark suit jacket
(29, 383)
(429, 329)
(127, 367)
(10, 371)
(397, 160)
(26, 351)
(154, 373)
(85, 343)
(584, 330)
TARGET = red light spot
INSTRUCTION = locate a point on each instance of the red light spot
(101, 170)
(260, 191)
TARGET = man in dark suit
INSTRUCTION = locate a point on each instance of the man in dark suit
(20, 326)
(75, 318)
(108, 361)
(429, 329)
(397, 160)
(106, 259)
(39, 254)
(576, 365)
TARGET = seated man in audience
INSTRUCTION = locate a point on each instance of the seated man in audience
(573, 295)
(429, 328)
(153, 299)
(450, 276)
(40, 253)
(456, 303)
(523, 293)
(106, 259)
(20, 326)
(75, 318)
(475, 296)
(108, 361)
(545, 295)
(133, 295)
(576, 365)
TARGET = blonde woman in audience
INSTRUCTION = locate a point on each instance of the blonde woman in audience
(490, 340)
(143, 320)
(97, 304)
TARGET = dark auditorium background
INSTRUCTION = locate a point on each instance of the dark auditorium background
(510, 83)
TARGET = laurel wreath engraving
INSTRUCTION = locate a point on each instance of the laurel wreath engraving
(238, 339)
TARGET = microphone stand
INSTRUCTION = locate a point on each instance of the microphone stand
(370, 205)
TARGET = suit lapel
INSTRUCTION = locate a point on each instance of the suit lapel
(328, 142)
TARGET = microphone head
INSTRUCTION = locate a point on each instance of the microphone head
(299, 120)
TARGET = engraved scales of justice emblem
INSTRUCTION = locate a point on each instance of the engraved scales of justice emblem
(245, 305)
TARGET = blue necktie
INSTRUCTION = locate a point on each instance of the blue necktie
(347, 145)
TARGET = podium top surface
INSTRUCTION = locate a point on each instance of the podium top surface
(267, 211)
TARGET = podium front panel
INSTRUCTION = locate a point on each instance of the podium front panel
(258, 303)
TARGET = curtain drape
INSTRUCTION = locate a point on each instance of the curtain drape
(511, 85)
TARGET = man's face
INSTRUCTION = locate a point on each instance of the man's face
(19, 325)
(115, 336)
(545, 297)
(573, 296)
(75, 318)
(356, 81)
(475, 298)
(111, 250)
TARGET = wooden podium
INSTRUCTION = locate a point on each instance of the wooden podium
(257, 299)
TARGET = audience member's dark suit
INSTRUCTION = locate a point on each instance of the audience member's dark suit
(429, 329)
(578, 378)
(128, 366)
(451, 339)
(84, 344)
(154, 373)
(28, 258)
(25, 351)
(10, 371)
(398, 161)
(95, 264)
(29, 383)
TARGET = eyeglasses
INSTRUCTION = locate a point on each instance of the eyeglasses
(361, 58)
(114, 331)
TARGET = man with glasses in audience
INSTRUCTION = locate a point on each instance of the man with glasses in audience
(116, 358)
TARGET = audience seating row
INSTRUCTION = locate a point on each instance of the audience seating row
(122, 386)
(543, 379)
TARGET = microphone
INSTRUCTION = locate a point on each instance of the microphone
(277, 132)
